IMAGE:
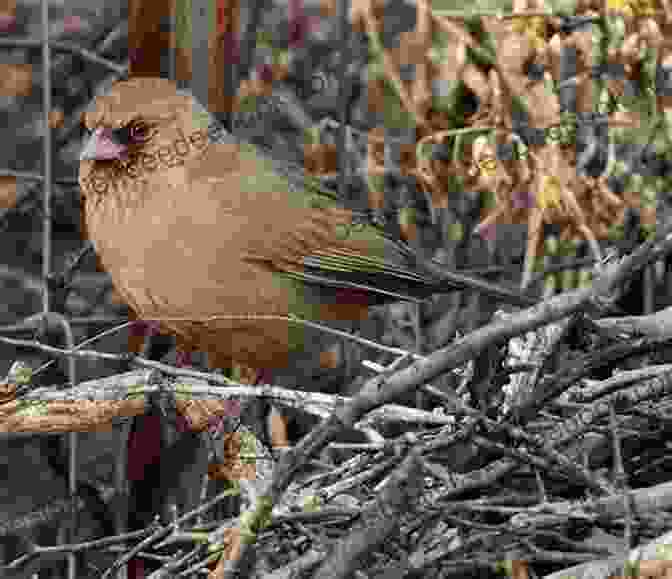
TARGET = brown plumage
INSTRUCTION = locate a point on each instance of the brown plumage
(174, 239)
(220, 242)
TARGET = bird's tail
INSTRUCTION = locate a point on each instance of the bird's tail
(451, 280)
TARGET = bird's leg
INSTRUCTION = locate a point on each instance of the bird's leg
(149, 457)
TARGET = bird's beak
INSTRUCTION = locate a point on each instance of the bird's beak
(102, 146)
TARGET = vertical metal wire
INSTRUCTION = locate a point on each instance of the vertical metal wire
(46, 262)
(172, 47)
(249, 41)
(46, 148)
(73, 447)
(51, 319)
(343, 94)
(200, 25)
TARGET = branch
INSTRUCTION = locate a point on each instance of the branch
(383, 389)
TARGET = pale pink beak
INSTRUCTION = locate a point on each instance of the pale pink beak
(101, 146)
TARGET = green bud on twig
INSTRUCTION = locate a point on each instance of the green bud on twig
(456, 231)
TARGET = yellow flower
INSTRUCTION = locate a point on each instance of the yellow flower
(632, 7)
(619, 6)
(534, 27)
(488, 166)
(549, 196)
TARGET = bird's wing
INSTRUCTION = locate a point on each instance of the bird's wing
(366, 257)
(329, 246)
(300, 229)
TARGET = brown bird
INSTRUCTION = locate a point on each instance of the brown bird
(224, 244)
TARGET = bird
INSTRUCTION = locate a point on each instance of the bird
(226, 245)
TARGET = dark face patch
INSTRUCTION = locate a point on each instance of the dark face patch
(137, 132)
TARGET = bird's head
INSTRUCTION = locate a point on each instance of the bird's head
(135, 130)
(128, 115)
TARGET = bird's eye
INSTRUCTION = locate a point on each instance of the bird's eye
(140, 132)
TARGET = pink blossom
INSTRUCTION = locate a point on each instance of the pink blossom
(487, 231)
(265, 73)
(232, 407)
(216, 423)
(7, 22)
(74, 23)
(183, 359)
(182, 423)
(523, 199)
(300, 24)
